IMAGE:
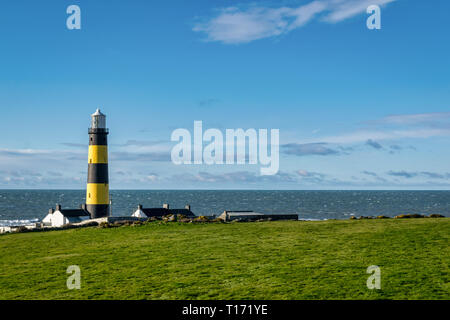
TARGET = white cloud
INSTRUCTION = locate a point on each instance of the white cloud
(234, 177)
(152, 177)
(363, 136)
(344, 9)
(308, 149)
(418, 118)
(393, 127)
(236, 25)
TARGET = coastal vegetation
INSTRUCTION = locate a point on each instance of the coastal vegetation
(258, 260)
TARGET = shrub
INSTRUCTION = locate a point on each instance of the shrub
(201, 219)
(21, 229)
(120, 223)
(91, 224)
(106, 224)
(382, 217)
(169, 218)
(435, 215)
(408, 216)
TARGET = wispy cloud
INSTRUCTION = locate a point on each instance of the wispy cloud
(369, 173)
(152, 177)
(54, 174)
(74, 145)
(340, 10)
(364, 135)
(431, 118)
(311, 177)
(374, 175)
(147, 156)
(393, 127)
(234, 177)
(425, 174)
(23, 152)
(434, 175)
(140, 143)
(395, 147)
(241, 24)
(403, 174)
(29, 178)
(374, 144)
(308, 149)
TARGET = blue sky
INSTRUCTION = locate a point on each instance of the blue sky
(356, 108)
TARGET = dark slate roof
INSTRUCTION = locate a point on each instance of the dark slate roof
(155, 212)
(74, 213)
(186, 212)
(74, 219)
(159, 212)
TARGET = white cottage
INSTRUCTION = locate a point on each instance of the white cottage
(139, 213)
(60, 217)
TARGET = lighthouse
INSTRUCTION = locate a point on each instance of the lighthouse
(97, 191)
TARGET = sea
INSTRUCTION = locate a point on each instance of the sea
(19, 207)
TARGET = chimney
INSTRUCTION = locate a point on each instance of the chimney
(139, 206)
(166, 206)
(58, 207)
(188, 207)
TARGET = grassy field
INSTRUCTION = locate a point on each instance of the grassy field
(261, 260)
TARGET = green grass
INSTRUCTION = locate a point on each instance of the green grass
(264, 260)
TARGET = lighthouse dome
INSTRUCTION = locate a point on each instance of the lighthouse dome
(98, 120)
(98, 113)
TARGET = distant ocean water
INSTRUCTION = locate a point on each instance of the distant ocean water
(24, 206)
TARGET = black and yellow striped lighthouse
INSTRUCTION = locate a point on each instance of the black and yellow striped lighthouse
(97, 192)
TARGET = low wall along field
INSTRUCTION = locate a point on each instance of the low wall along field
(261, 260)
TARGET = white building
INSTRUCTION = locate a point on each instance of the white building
(5, 229)
(60, 217)
(139, 213)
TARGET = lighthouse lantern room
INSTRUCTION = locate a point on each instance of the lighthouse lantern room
(98, 120)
